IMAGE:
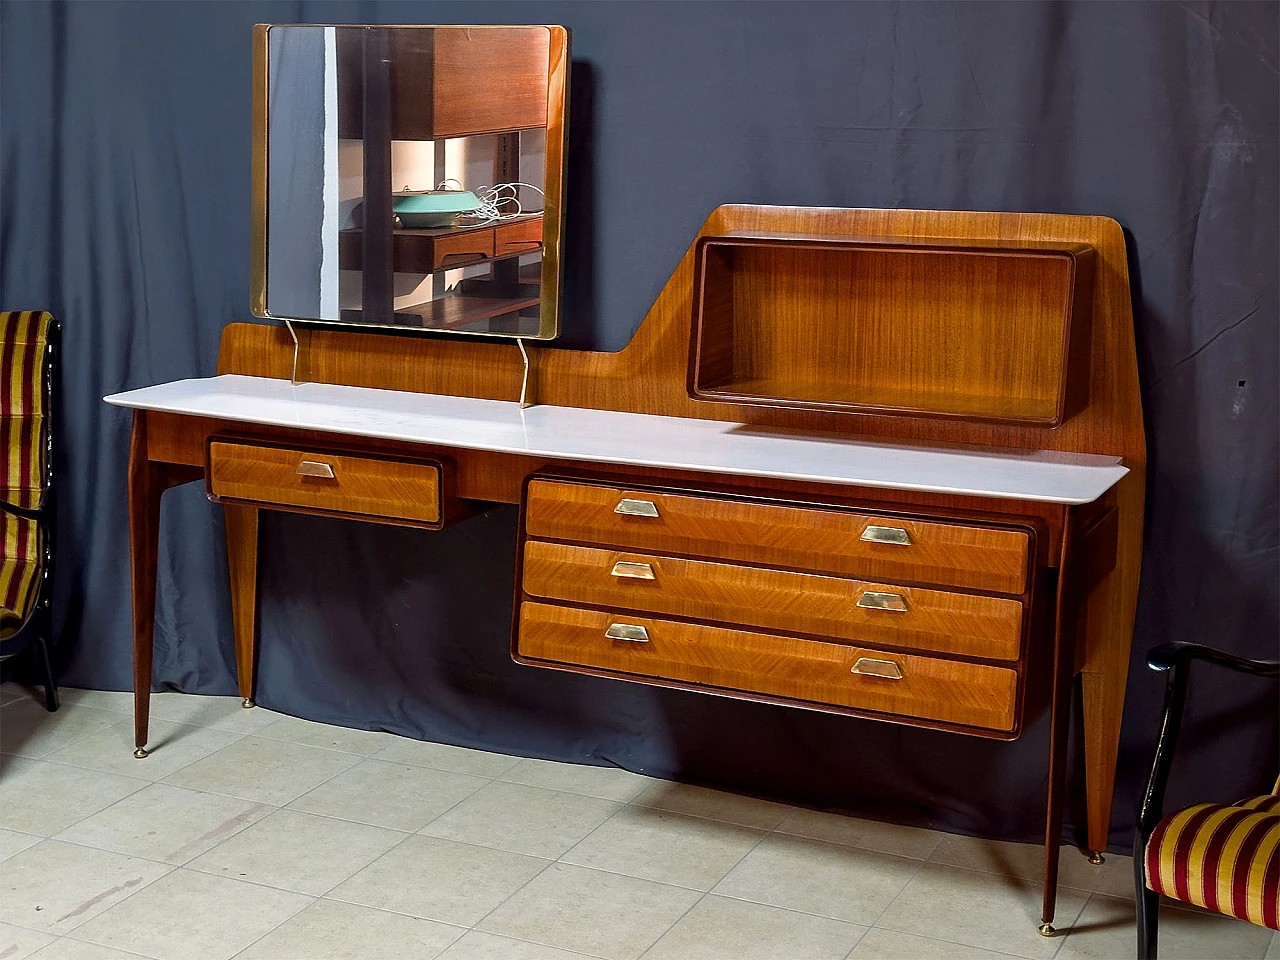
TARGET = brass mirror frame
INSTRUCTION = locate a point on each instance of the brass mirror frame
(552, 221)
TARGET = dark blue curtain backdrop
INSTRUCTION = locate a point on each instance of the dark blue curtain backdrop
(125, 211)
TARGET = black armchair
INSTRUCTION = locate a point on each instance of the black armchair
(1223, 858)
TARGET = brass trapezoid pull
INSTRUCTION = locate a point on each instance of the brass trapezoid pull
(885, 669)
(627, 631)
(632, 570)
(875, 600)
(315, 468)
(877, 534)
(636, 508)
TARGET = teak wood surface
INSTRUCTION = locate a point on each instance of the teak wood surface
(363, 486)
(452, 81)
(808, 671)
(782, 535)
(932, 620)
(947, 330)
(1096, 599)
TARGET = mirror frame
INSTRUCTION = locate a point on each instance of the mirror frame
(553, 207)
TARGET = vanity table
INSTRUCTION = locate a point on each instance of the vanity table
(898, 519)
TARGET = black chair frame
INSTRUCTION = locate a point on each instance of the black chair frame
(1173, 659)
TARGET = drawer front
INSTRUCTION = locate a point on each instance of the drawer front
(366, 486)
(948, 691)
(852, 610)
(844, 542)
(522, 237)
(460, 249)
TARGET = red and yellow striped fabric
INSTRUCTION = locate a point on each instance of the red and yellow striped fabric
(1222, 858)
(24, 337)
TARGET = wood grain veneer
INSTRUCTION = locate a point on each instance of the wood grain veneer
(365, 486)
(422, 251)
(453, 81)
(651, 376)
(518, 236)
(780, 535)
(950, 691)
(955, 623)
(960, 329)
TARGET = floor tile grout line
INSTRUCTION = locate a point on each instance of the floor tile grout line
(128, 896)
(247, 946)
(77, 766)
(708, 892)
(131, 953)
(476, 926)
(142, 785)
(634, 802)
(71, 742)
(1020, 880)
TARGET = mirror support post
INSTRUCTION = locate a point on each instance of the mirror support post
(301, 372)
(525, 400)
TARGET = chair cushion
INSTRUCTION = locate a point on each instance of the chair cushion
(1222, 858)
(19, 569)
(24, 339)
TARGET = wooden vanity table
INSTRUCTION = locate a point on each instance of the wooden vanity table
(882, 463)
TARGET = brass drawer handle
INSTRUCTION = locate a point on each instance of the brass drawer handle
(634, 571)
(314, 468)
(636, 508)
(873, 600)
(874, 534)
(885, 669)
(627, 631)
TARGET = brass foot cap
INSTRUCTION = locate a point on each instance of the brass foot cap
(140, 752)
(1095, 857)
(1046, 930)
(247, 703)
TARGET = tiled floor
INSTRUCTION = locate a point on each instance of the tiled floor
(254, 835)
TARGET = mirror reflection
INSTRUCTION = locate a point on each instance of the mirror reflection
(413, 176)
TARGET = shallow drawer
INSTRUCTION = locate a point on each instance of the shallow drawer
(853, 610)
(368, 486)
(947, 691)
(524, 236)
(458, 250)
(829, 540)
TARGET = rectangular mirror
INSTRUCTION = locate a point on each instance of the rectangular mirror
(410, 177)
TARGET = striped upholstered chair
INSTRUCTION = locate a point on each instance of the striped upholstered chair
(1224, 858)
(28, 344)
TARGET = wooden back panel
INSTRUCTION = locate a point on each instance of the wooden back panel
(650, 374)
(949, 329)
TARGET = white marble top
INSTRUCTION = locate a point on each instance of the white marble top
(635, 439)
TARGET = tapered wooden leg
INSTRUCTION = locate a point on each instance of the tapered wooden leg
(1109, 614)
(242, 558)
(146, 484)
(148, 480)
(1103, 697)
(1065, 628)
(1060, 721)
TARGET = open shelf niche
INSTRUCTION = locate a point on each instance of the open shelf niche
(959, 329)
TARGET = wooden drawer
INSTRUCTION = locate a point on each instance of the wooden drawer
(852, 610)
(830, 540)
(947, 691)
(523, 236)
(460, 249)
(367, 486)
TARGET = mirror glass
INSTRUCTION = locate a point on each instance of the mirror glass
(410, 177)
